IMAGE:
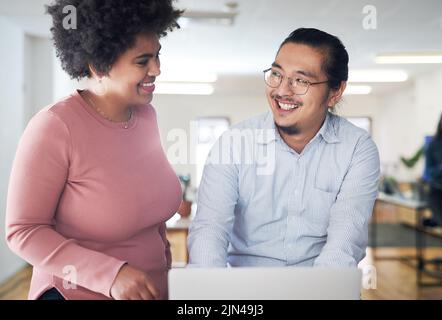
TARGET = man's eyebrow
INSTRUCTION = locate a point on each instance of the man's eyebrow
(147, 55)
(306, 73)
(303, 72)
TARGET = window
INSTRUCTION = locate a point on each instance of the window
(361, 122)
(209, 130)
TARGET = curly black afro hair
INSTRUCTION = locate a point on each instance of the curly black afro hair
(105, 29)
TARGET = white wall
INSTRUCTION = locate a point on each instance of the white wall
(38, 74)
(63, 85)
(11, 126)
(405, 117)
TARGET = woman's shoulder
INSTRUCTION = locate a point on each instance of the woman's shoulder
(53, 120)
(147, 109)
(65, 107)
(61, 109)
(147, 112)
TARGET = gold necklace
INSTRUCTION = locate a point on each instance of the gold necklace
(125, 124)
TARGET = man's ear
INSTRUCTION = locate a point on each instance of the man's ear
(335, 95)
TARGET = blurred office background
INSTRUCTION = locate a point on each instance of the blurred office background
(212, 78)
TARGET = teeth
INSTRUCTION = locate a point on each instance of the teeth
(287, 106)
(147, 84)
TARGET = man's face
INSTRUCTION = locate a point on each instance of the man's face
(299, 61)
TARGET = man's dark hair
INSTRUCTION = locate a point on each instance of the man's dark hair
(106, 29)
(335, 63)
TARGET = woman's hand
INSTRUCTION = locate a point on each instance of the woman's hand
(133, 284)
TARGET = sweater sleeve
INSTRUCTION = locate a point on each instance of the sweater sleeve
(38, 177)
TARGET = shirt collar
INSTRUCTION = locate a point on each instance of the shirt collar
(328, 130)
(268, 132)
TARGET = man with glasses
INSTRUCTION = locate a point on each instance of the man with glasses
(314, 207)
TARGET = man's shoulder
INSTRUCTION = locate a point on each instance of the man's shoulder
(345, 130)
(260, 121)
(353, 141)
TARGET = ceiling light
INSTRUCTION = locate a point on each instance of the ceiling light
(409, 58)
(184, 88)
(377, 76)
(187, 76)
(216, 18)
(356, 89)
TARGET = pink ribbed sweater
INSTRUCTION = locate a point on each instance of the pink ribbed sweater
(86, 196)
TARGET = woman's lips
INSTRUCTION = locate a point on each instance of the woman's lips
(147, 87)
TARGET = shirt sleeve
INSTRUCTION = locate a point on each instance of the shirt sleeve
(350, 214)
(39, 174)
(209, 232)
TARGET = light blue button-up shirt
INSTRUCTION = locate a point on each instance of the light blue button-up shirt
(281, 208)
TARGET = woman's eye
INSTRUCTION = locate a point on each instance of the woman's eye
(142, 63)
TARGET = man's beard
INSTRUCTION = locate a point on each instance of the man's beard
(290, 130)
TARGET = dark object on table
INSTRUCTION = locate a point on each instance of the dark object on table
(185, 207)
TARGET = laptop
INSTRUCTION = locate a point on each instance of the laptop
(257, 283)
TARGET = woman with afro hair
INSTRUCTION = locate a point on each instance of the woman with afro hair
(91, 188)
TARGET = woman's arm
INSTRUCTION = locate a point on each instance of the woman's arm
(38, 177)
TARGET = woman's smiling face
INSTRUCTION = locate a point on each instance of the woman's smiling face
(132, 76)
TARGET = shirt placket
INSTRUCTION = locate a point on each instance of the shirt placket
(293, 211)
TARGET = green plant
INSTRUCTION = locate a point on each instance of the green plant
(411, 162)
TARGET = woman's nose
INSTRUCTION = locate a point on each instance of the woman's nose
(154, 68)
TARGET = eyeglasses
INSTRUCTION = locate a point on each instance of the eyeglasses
(273, 79)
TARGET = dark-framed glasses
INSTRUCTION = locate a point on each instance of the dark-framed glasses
(273, 78)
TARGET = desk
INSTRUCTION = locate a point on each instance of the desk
(177, 231)
(419, 207)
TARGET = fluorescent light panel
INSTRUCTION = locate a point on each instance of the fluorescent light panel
(377, 76)
(409, 58)
(357, 89)
(214, 18)
(184, 88)
(188, 76)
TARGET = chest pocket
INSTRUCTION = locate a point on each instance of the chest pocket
(318, 208)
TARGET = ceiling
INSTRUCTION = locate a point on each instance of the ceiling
(249, 46)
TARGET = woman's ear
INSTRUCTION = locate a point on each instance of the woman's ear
(97, 85)
(335, 95)
(94, 73)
